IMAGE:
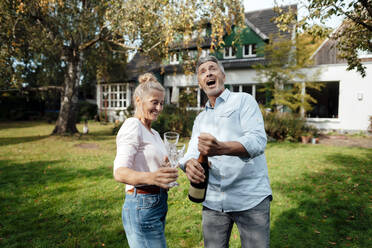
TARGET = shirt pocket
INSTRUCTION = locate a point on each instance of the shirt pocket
(227, 113)
(228, 124)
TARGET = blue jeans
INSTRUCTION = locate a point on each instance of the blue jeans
(253, 225)
(143, 218)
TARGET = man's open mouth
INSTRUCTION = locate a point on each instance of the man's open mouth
(209, 83)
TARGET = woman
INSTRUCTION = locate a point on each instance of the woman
(141, 164)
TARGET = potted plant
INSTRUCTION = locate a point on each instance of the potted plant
(305, 138)
(315, 135)
(306, 135)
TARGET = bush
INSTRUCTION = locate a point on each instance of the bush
(175, 119)
(20, 107)
(286, 126)
(171, 119)
(87, 111)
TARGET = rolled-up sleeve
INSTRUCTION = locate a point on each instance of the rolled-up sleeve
(254, 136)
(127, 143)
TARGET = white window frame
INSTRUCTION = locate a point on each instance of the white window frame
(204, 52)
(250, 51)
(116, 96)
(230, 56)
(174, 59)
(195, 33)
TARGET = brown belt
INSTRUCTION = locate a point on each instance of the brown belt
(151, 189)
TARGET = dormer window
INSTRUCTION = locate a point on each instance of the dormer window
(204, 52)
(249, 50)
(174, 59)
(195, 33)
(230, 53)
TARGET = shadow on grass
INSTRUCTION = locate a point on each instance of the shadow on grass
(99, 136)
(333, 206)
(20, 124)
(44, 204)
(283, 144)
(19, 140)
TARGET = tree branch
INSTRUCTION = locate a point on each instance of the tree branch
(89, 43)
(367, 5)
(46, 88)
(157, 44)
(356, 20)
(121, 44)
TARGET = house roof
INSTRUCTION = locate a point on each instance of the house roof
(140, 64)
(261, 21)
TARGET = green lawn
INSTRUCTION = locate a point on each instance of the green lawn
(59, 192)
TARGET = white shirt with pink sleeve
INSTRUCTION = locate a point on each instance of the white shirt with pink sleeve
(138, 148)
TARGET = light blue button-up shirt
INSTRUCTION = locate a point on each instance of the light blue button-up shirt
(235, 183)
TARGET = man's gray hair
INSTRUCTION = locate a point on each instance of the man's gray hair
(207, 58)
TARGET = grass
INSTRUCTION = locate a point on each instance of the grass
(59, 192)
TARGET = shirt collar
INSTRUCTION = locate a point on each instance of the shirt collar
(224, 96)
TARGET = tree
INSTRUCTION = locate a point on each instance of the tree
(65, 31)
(355, 34)
(284, 77)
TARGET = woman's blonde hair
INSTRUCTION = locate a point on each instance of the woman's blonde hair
(147, 82)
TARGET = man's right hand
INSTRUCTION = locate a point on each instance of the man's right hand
(194, 171)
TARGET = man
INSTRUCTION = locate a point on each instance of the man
(230, 131)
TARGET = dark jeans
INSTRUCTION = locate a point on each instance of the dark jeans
(253, 225)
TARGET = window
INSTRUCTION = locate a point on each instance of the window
(327, 101)
(204, 52)
(192, 54)
(114, 96)
(249, 50)
(195, 33)
(174, 59)
(230, 53)
(247, 88)
(261, 95)
(235, 88)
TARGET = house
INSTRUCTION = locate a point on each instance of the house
(345, 103)
(237, 59)
(114, 97)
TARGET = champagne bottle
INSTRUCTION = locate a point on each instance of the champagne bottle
(197, 191)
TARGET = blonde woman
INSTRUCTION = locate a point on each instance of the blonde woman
(142, 165)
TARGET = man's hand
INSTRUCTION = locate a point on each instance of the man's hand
(194, 171)
(208, 145)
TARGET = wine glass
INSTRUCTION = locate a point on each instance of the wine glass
(171, 138)
(175, 151)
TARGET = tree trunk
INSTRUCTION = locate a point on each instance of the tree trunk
(66, 122)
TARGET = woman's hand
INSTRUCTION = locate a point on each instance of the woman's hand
(165, 175)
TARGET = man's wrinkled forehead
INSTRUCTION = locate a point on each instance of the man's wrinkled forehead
(207, 64)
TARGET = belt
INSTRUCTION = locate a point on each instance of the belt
(151, 189)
